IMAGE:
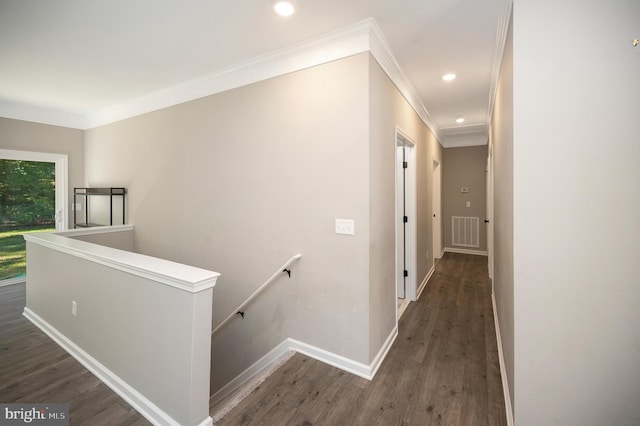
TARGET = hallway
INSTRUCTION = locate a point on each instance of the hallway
(443, 368)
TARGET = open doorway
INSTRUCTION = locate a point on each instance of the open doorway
(33, 194)
(437, 211)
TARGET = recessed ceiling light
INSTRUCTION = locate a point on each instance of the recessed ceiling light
(284, 8)
(449, 77)
(460, 120)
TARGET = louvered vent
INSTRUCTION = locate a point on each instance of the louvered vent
(465, 231)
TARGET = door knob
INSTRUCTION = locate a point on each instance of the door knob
(486, 221)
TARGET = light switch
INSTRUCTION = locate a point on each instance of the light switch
(345, 226)
(468, 203)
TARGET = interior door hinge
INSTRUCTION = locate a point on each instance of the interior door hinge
(405, 164)
(406, 273)
(406, 219)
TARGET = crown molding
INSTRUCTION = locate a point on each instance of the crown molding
(339, 44)
(43, 115)
(469, 135)
(504, 18)
(381, 51)
(363, 36)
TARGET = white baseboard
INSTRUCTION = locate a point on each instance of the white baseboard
(274, 356)
(424, 282)
(282, 350)
(12, 281)
(382, 353)
(346, 364)
(503, 368)
(465, 251)
(142, 405)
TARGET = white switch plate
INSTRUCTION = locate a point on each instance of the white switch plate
(345, 226)
(468, 203)
(74, 308)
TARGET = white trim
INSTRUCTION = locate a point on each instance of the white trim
(332, 46)
(465, 251)
(275, 356)
(61, 162)
(330, 358)
(381, 51)
(95, 230)
(264, 285)
(410, 202)
(382, 353)
(12, 281)
(504, 18)
(40, 114)
(464, 141)
(359, 369)
(206, 422)
(363, 36)
(426, 280)
(142, 405)
(183, 277)
(436, 209)
(503, 368)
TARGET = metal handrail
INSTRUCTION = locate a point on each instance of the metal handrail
(238, 310)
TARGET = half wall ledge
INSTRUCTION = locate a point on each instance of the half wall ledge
(140, 324)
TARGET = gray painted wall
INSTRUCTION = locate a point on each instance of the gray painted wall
(121, 240)
(464, 167)
(501, 142)
(239, 182)
(389, 109)
(570, 171)
(27, 136)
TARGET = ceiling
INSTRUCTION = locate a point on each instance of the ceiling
(75, 57)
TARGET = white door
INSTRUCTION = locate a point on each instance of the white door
(489, 218)
(400, 225)
(405, 217)
(437, 210)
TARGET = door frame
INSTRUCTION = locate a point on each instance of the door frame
(62, 181)
(406, 242)
(489, 208)
(436, 201)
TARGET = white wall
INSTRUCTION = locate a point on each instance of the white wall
(576, 200)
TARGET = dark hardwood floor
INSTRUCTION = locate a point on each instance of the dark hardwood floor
(443, 368)
(34, 369)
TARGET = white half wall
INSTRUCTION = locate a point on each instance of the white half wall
(142, 325)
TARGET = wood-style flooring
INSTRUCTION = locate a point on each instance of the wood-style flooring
(34, 369)
(443, 368)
